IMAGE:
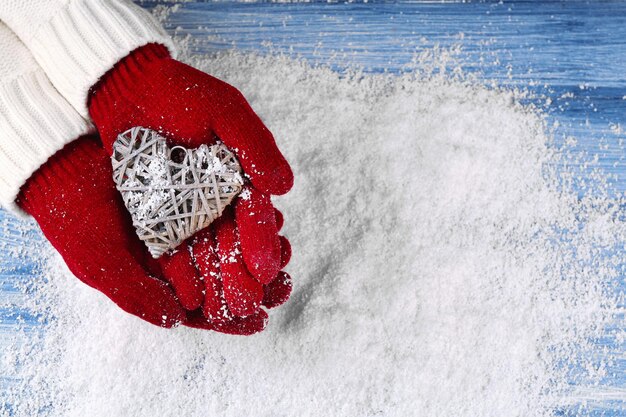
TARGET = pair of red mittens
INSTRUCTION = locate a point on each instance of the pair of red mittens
(223, 277)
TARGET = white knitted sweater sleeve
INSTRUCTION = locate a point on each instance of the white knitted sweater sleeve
(35, 120)
(78, 41)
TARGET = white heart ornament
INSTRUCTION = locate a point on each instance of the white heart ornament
(172, 193)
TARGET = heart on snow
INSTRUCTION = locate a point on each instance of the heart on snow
(171, 193)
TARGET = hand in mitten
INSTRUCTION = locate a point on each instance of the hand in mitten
(148, 88)
(230, 290)
(80, 212)
(78, 208)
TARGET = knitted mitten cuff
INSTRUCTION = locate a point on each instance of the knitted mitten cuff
(128, 82)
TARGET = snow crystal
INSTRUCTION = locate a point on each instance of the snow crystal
(438, 270)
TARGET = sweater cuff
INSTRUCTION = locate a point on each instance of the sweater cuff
(86, 39)
(35, 123)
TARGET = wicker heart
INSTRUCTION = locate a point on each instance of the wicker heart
(171, 193)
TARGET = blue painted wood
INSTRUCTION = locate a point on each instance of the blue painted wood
(571, 52)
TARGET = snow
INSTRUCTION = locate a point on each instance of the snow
(438, 269)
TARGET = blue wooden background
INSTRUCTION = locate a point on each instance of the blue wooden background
(551, 48)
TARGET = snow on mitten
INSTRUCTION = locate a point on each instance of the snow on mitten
(80, 212)
(74, 200)
(148, 88)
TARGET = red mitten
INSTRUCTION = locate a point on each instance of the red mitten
(148, 88)
(79, 210)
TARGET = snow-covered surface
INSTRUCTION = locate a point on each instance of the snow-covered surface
(447, 261)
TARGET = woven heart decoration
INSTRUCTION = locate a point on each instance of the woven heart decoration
(172, 193)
